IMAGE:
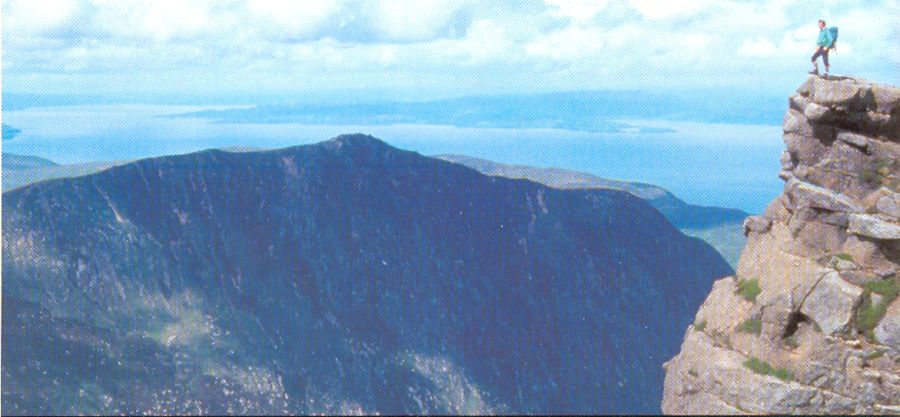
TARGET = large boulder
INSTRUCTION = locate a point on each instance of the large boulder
(873, 226)
(832, 303)
(853, 138)
(887, 100)
(889, 204)
(756, 224)
(803, 194)
(840, 94)
(888, 330)
(817, 113)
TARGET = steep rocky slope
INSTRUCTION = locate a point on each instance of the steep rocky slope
(720, 227)
(342, 277)
(680, 213)
(811, 321)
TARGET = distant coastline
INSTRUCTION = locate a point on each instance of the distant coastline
(725, 165)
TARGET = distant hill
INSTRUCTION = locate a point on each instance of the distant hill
(13, 161)
(587, 111)
(576, 110)
(9, 132)
(22, 170)
(342, 277)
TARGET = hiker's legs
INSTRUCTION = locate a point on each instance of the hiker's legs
(825, 59)
(819, 52)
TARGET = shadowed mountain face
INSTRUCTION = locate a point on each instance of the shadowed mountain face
(680, 213)
(342, 277)
(723, 228)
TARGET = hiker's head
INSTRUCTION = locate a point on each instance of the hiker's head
(821, 24)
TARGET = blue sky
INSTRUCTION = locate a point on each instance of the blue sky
(433, 48)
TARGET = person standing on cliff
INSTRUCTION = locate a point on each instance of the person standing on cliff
(824, 43)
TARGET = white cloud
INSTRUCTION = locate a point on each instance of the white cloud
(569, 44)
(39, 16)
(404, 20)
(622, 46)
(659, 9)
(159, 20)
(485, 41)
(798, 42)
(650, 9)
(577, 9)
(291, 17)
(757, 47)
(165, 19)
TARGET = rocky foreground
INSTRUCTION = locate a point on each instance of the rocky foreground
(810, 323)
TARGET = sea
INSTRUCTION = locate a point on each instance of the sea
(725, 165)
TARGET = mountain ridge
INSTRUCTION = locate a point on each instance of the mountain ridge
(719, 227)
(662, 199)
(346, 276)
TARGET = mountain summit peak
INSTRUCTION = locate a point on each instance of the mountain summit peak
(357, 140)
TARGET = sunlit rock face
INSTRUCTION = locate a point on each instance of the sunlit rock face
(809, 324)
(343, 277)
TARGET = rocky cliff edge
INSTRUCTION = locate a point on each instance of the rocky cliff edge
(811, 322)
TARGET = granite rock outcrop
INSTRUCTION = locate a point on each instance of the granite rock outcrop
(810, 323)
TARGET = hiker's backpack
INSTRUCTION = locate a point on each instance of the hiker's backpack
(834, 34)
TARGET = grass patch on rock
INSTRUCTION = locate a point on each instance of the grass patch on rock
(749, 289)
(876, 354)
(878, 172)
(870, 312)
(762, 367)
(844, 257)
(753, 326)
(888, 288)
(700, 326)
